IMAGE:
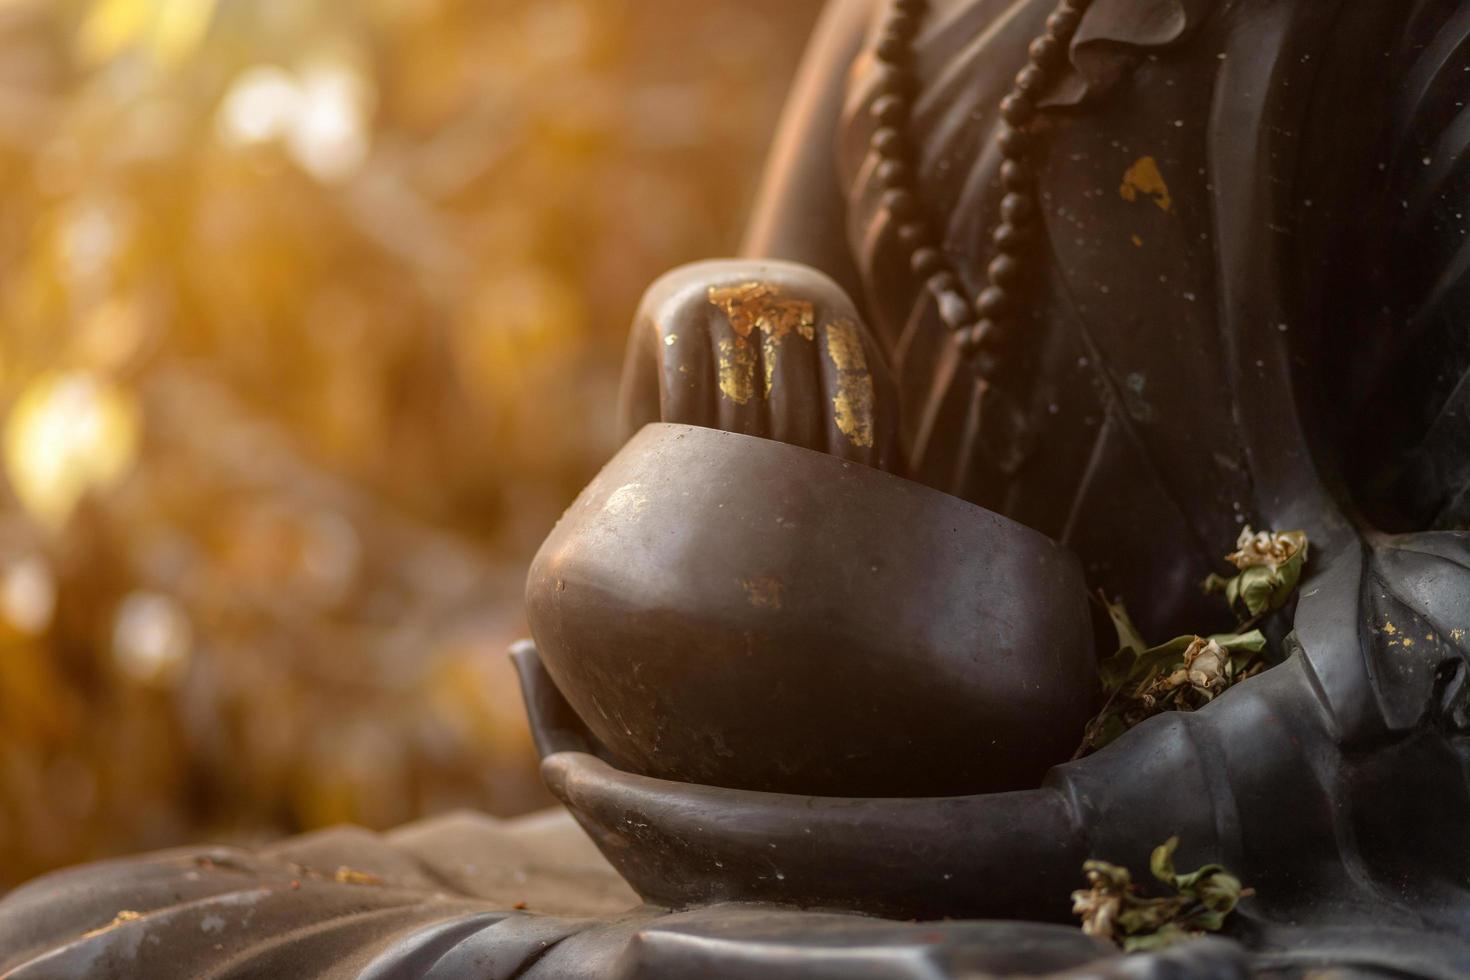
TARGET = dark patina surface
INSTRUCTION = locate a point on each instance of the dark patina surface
(1250, 307)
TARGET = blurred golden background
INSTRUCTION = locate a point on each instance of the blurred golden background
(311, 316)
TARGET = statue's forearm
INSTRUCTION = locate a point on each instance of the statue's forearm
(799, 211)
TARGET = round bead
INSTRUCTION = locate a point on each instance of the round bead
(941, 283)
(893, 173)
(1013, 176)
(926, 261)
(1016, 208)
(890, 110)
(1004, 270)
(888, 142)
(1062, 23)
(985, 363)
(954, 310)
(1030, 80)
(1017, 109)
(982, 337)
(903, 24)
(900, 203)
(894, 49)
(1012, 142)
(892, 80)
(1008, 237)
(1045, 52)
(969, 340)
(992, 302)
(914, 235)
(978, 344)
(989, 333)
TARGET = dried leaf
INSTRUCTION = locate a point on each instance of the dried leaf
(1128, 636)
(1161, 862)
(1167, 935)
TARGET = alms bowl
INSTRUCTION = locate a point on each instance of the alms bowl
(732, 611)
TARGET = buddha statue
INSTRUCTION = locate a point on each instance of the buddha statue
(1123, 277)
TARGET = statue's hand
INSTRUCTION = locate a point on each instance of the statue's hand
(771, 349)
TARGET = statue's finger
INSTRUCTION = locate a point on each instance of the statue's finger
(854, 429)
(669, 373)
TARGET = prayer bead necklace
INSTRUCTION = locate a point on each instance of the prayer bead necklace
(981, 325)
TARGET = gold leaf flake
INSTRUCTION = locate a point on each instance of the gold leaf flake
(1145, 178)
(760, 307)
(764, 593)
(352, 876)
(737, 370)
(853, 404)
(770, 349)
(122, 917)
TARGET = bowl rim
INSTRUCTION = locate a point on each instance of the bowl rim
(819, 458)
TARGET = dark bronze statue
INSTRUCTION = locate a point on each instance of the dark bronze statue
(1041, 298)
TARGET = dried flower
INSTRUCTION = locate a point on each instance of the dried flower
(1112, 909)
(1270, 566)
(1269, 548)
(1206, 670)
(1100, 905)
(1184, 674)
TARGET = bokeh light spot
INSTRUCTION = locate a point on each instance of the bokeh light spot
(69, 433)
